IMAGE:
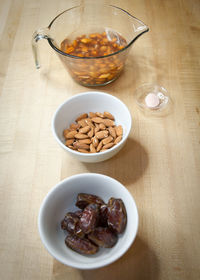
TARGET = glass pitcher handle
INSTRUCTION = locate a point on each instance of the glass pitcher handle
(41, 33)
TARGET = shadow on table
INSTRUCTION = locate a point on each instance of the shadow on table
(127, 78)
(127, 166)
(139, 263)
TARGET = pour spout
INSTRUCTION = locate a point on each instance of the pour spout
(139, 28)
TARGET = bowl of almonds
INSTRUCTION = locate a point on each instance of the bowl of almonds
(92, 126)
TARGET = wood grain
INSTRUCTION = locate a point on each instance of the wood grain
(160, 164)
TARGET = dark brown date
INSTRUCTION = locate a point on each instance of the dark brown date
(78, 213)
(71, 224)
(103, 237)
(117, 217)
(89, 218)
(80, 245)
(103, 216)
(83, 199)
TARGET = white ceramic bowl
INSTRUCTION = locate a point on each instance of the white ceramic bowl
(62, 198)
(91, 102)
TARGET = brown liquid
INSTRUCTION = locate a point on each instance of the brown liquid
(103, 68)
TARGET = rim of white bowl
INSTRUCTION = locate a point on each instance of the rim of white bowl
(124, 138)
(95, 265)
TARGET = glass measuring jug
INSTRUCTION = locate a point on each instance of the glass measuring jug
(112, 25)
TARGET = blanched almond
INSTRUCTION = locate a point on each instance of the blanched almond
(85, 141)
(109, 116)
(84, 129)
(82, 116)
(102, 134)
(102, 126)
(69, 142)
(118, 139)
(108, 146)
(112, 131)
(91, 132)
(71, 134)
(92, 148)
(107, 140)
(99, 147)
(108, 122)
(119, 130)
(81, 136)
(97, 120)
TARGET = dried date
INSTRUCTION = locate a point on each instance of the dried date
(117, 217)
(78, 213)
(95, 225)
(103, 237)
(89, 218)
(71, 224)
(80, 245)
(103, 216)
(83, 199)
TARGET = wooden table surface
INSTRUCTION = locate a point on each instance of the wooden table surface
(160, 164)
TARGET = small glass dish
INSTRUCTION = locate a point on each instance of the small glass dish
(153, 100)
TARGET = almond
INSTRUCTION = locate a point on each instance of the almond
(107, 140)
(85, 141)
(95, 141)
(108, 146)
(99, 147)
(119, 130)
(74, 126)
(89, 122)
(71, 134)
(81, 136)
(102, 126)
(100, 115)
(69, 142)
(92, 148)
(97, 128)
(112, 131)
(72, 147)
(97, 120)
(91, 132)
(108, 115)
(102, 134)
(79, 145)
(84, 129)
(83, 151)
(92, 115)
(108, 122)
(82, 123)
(118, 139)
(65, 132)
(82, 116)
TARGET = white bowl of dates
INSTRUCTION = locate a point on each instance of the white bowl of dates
(88, 221)
(92, 126)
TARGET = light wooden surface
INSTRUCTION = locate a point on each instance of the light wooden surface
(160, 165)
